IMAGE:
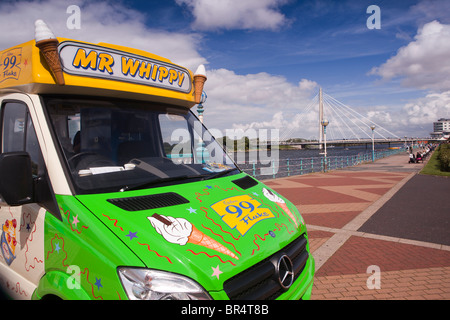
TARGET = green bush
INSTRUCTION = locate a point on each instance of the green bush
(444, 157)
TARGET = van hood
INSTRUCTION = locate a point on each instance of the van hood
(207, 230)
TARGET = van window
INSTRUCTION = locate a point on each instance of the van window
(120, 145)
(14, 119)
(18, 134)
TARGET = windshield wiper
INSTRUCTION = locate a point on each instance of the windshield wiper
(158, 181)
(219, 174)
(177, 178)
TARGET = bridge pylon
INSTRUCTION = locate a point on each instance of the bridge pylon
(320, 118)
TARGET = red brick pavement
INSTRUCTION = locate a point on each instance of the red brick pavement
(334, 220)
(334, 205)
(358, 253)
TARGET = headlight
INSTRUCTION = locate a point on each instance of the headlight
(146, 284)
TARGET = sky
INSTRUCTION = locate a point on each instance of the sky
(267, 59)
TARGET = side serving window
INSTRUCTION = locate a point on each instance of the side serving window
(13, 133)
(18, 134)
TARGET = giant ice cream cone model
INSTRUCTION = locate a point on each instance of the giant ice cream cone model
(199, 82)
(180, 231)
(274, 198)
(48, 45)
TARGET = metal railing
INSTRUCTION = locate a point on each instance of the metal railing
(300, 166)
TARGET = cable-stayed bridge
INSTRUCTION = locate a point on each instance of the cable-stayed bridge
(339, 124)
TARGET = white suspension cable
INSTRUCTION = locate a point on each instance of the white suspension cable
(351, 120)
(349, 111)
(370, 121)
(342, 120)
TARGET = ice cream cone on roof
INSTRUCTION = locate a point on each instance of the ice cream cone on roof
(199, 82)
(48, 45)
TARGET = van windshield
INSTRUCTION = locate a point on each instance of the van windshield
(118, 145)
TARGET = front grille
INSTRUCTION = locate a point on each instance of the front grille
(153, 201)
(260, 282)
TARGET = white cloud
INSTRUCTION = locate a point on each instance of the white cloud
(255, 101)
(101, 21)
(425, 111)
(415, 118)
(307, 85)
(428, 10)
(381, 116)
(424, 63)
(236, 14)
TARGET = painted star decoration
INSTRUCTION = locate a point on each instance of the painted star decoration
(132, 235)
(191, 210)
(75, 221)
(216, 272)
(98, 283)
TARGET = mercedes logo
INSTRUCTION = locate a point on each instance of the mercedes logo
(285, 271)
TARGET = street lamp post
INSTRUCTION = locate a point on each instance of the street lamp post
(373, 143)
(200, 107)
(324, 123)
(201, 151)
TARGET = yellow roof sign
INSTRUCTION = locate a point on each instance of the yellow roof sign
(102, 62)
(124, 72)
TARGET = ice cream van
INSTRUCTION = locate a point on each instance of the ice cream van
(111, 188)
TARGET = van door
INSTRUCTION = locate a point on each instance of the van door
(22, 227)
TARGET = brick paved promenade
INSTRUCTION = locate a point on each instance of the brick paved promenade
(379, 214)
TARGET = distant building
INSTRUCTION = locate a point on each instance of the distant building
(441, 128)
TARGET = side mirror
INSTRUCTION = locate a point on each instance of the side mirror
(16, 179)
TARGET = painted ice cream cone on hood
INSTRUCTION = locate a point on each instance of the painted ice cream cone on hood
(181, 231)
(48, 45)
(198, 237)
(274, 198)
